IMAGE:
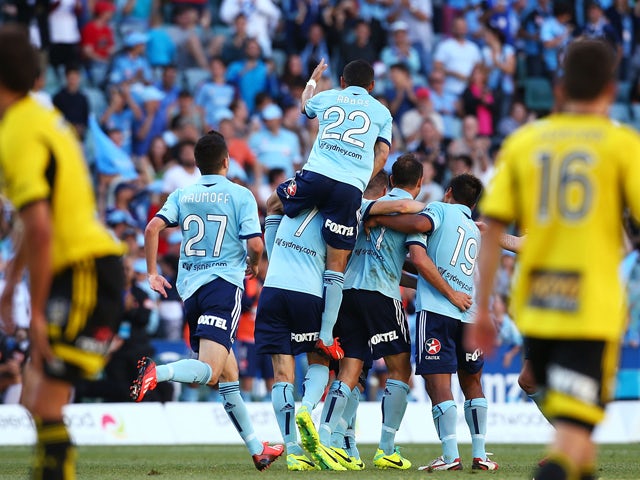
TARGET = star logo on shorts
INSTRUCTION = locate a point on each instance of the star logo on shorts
(292, 188)
(433, 346)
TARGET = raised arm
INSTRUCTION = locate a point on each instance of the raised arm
(310, 89)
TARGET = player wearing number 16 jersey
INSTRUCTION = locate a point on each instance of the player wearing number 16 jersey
(352, 146)
(216, 218)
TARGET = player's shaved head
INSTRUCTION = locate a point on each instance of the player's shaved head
(466, 189)
(377, 185)
(406, 171)
(18, 59)
(210, 152)
(589, 68)
(358, 73)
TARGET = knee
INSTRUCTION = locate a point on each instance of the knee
(527, 383)
(274, 205)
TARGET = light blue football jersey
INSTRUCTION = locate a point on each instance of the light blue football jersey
(376, 262)
(351, 122)
(216, 217)
(297, 261)
(453, 245)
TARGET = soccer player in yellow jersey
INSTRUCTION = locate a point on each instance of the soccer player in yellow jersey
(74, 265)
(566, 180)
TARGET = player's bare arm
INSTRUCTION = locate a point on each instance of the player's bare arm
(401, 223)
(37, 243)
(310, 89)
(428, 270)
(388, 207)
(512, 242)
(381, 153)
(151, 238)
(12, 275)
(255, 247)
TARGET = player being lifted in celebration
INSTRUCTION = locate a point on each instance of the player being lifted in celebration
(352, 146)
(443, 299)
(75, 267)
(566, 181)
(216, 217)
(372, 320)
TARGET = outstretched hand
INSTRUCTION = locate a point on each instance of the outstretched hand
(159, 284)
(319, 71)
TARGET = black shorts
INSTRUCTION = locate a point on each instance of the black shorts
(576, 376)
(84, 311)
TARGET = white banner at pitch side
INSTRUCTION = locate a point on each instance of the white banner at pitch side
(207, 423)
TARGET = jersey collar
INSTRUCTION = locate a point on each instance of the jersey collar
(211, 179)
(464, 209)
(357, 90)
(400, 193)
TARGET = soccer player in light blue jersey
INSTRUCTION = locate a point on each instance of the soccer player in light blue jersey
(450, 239)
(217, 217)
(352, 146)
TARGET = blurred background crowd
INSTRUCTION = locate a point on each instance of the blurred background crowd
(141, 80)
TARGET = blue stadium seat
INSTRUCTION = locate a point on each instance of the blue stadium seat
(624, 89)
(620, 112)
(538, 94)
(97, 100)
(194, 77)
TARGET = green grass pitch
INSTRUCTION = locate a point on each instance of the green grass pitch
(233, 462)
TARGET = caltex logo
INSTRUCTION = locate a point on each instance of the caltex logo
(433, 346)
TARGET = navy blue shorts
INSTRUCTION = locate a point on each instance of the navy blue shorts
(439, 347)
(371, 323)
(338, 203)
(250, 362)
(287, 322)
(213, 313)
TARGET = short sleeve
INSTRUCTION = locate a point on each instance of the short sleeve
(420, 239)
(26, 162)
(248, 221)
(441, 53)
(498, 200)
(434, 212)
(170, 211)
(386, 129)
(366, 208)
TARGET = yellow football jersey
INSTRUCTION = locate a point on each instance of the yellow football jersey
(41, 159)
(566, 180)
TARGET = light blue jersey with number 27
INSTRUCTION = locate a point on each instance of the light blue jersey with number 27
(351, 122)
(216, 216)
(453, 245)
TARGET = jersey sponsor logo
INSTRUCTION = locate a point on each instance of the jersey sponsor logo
(305, 337)
(196, 267)
(474, 356)
(337, 148)
(432, 346)
(334, 227)
(298, 248)
(213, 321)
(554, 290)
(384, 337)
(292, 188)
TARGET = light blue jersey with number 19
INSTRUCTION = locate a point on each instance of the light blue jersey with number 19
(216, 216)
(453, 246)
(351, 122)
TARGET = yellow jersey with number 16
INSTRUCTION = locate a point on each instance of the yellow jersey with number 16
(41, 159)
(566, 180)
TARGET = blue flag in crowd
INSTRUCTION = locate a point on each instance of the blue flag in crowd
(110, 159)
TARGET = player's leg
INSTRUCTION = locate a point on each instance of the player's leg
(475, 406)
(436, 360)
(344, 433)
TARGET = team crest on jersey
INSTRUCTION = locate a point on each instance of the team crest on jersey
(292, 188)
(432, 346)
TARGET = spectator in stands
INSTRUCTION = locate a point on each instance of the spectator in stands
(555, 34)
(430, 191)
(155, 161)
(98, 43)
(530, 33)
(517, 117)
(315, 50)
(476, 146)
(508, 334)
(263, 191)
(361, 46)
(274, 146)
(429, 147)
(169, 86)
(459, 164)
(500, 59)
(292, 79)
(249, 75)
(504, 277)
(186, 109)
(262, 18)
(418, 15)
(444, 103)
(132, 65)
(240, 117)
(153, 122)
(457, 57)
(170, 307)
(72, 102)
(400, 95)
(412, 120)
(625, 22)
(184, 172)
(400, 50)
(121, 113)
(136, 15)
(478, 100)
(598, 26)
(187, 38)
(239, 150)
(231, 47)
(64, 33)
(161, 51)
(216, 93)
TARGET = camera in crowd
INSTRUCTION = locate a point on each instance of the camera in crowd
(14, 347)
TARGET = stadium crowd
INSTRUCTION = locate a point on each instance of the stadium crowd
(142, 80)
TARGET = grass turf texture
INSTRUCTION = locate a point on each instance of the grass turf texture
(233, 462)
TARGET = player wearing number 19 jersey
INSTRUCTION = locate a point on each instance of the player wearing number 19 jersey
(216, 218)
(566, 181)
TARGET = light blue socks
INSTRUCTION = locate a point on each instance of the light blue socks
(284, 408)
(445, 417)
(315, 381)
(333, 283)
(239, 416)
(394, 404)
(348, 415)
(184, 371)
(334, 404)
(475, 413)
